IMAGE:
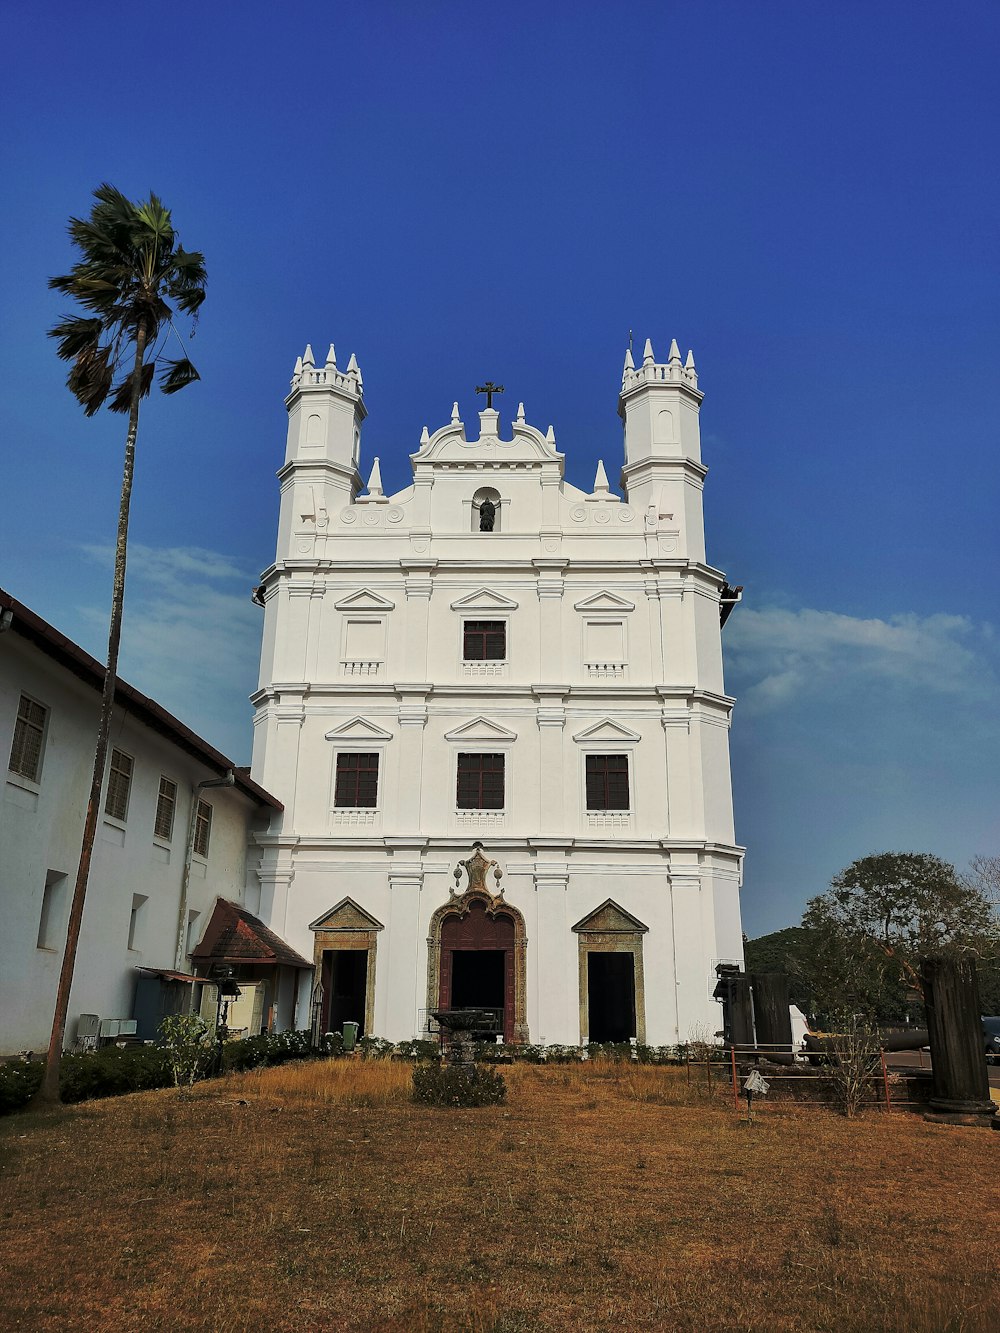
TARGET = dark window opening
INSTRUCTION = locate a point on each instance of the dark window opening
(29, 732)
(480, 782)
(607, 782)
(357, 780)
(345, 981)
(610, 996)
(484, 641)
(477, 979)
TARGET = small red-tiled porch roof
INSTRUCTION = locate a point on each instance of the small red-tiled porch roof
(235, 935)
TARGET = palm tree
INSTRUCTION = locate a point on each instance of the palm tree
(131, 275)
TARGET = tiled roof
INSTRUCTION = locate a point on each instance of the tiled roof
(235, 935)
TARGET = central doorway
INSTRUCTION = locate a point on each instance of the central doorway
(477, 963)
(611, 996)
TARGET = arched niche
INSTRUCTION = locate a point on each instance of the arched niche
(491, 494)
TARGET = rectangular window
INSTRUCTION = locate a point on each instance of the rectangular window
(166, 803)
(480, 781)
(29, 733)
(607, 782)
(484, 641)
(604, 641)
(53, 909)
(119, 785)
(202, 828)
(357, 780)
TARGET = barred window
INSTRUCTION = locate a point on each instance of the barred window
(119, 785)
(607, 782)
(202, 828)
(484, 641)
(357, 780)
(29, 734)
(480, 782)
(166, 804)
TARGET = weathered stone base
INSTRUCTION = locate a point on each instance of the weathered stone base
(943, 1112)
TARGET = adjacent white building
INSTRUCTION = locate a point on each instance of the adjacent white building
(176, 822)
(495, 655)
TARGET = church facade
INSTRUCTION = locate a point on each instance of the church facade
(493, 708)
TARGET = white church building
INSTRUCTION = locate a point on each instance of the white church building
(494, 656)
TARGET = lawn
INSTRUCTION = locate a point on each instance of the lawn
(317, 1196)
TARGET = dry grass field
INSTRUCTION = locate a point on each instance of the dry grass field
(317, 1196)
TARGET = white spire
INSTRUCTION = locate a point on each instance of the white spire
(629, 363)
(648, 359)
(331, 358)
(456, 420)
(675, 353)
(689, 363)
(601, 486)
(354, 369)
(425, 437)
(307, 359)
(520, 411)
(375, 480)
(550, 436)
(298, 367)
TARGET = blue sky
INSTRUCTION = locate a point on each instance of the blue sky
(806, 194)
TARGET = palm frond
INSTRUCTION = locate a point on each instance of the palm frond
(75, 335)
(122, 400)
(90, 377)
(176, 375)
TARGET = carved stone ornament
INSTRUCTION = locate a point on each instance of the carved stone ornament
(476, 868)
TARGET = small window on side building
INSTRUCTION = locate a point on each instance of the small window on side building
(484, 641)
(29, 738)
(166, 804)
(607, 782)
(202, 828)
(119, 785)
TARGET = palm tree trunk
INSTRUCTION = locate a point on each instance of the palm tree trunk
(49, 1089)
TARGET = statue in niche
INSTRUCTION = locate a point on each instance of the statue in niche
(487, 516)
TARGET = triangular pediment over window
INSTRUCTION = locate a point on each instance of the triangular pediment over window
(481, 729)
(608, 731)
(347, 915)
(358, 729)
(364, 600)
(604, 601)
(610, 919)
(484, 600)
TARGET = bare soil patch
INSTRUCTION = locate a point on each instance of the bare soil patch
(317, 1196)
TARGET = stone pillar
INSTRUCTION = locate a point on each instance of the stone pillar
(770, 1009)
(396, 1018)
(412, 718)
(551, 720)
(951, 1001)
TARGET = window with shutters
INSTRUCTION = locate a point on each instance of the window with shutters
(119, 785)
(29, 738)
(480, 782)
(202, 828)
(607, 782)
(166, 804)
(357, 781)
(484, 640)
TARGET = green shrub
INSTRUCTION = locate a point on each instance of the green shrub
(269, 1048)
(112, 1071)
(458, 1085)
(189, 1045)
(19, 1081)
(417, 1049)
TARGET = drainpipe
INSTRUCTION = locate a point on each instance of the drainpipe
(228, 781)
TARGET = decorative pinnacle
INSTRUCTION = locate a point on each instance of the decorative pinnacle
(298, 367)
(601, 486)
(331, 358)
(675, 353)
(375, 479)
(456, 420)
(629, 363)
(648, 359)
(354, 369)
(307, 359)
(520, 412)
(425, 436)
(689, 363)
(550, 436)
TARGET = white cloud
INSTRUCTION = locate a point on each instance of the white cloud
(191, 637)
(776, 655)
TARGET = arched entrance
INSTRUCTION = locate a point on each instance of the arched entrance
(476, 953)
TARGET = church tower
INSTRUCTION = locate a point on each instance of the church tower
(492, 705)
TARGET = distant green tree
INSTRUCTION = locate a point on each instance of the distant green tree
(863, 939)
(131, 276)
